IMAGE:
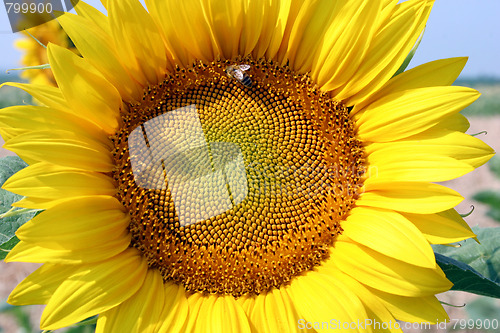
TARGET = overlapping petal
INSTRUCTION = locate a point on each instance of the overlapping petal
(390, 234)
(410, 197)
(387, 274)
(405, 113)
(317, 296)
(213, 313)
(85, 88)
(94, 288)
(64, 148)
(49, 181)
(140, 313)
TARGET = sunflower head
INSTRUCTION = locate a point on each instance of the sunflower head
(243, 166)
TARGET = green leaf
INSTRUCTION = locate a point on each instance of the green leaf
(473, 267)
(410, 55)
(7, 246)
(8, 225)
(465, 278)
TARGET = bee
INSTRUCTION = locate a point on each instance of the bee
(238, 72)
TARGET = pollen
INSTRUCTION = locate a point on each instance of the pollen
(236, 184)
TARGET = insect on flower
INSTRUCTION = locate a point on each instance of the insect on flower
(238, 72)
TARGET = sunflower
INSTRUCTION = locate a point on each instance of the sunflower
(241, 166)
(34, 53)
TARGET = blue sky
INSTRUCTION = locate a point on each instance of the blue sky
(455, 28)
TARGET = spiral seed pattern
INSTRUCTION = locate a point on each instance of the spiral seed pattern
(234, 189)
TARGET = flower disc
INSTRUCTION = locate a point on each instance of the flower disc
(236, 185)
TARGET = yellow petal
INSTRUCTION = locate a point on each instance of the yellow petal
(78, 224)
(177, 51)
(272, 312)
(254, 18)
(405, 113)
(345, 43)
(49, 181)
(225, 18)
(27, 118)
(94, 288)
(457, 145)
(63, 148)
(138, 41)
(273, 28)
(196, 38)
(29, 252)
(454, 122)
(387, 51)
(312, 21)
(292, 14)
(90, 13)
(320, 298)
(47, 95)
(399, 163)
(198, 313)
(387, 274)
(98, 49)
(214, 313)
(139, 313)
(375, 309)
(411, 197)
(175, 310)
(388, 8)
(227, 315)
(37, 203)
(425, 309)
(432, 74)
(389, 233)
(85, 89)
(39, 286)
(441, 228)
